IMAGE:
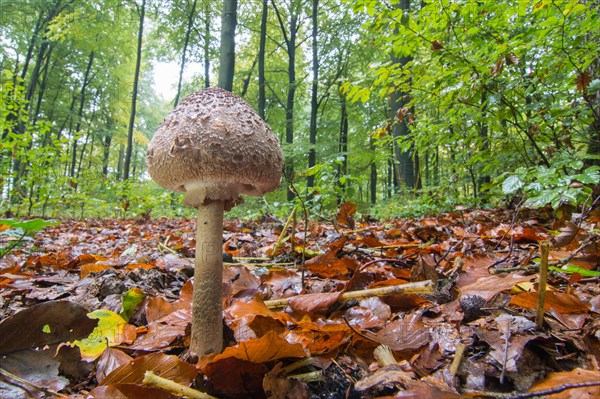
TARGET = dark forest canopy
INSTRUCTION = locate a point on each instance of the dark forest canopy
(398, 106)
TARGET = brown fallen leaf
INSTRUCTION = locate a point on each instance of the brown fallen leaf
(65, 321)
(313, 303)
(110, 359)
(167, 366)
(344, 215)
(559, 301)
(267, 348)
(406, 333)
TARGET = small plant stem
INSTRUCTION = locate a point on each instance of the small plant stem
(155, 381)
(545, 248)
(283, 232)
(421, 287)
(312, 376)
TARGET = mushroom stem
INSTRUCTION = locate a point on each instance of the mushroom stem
(207, 318)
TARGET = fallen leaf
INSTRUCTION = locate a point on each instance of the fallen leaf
(167, 366)
(559, 301)
(570, 378)
(264, 349)
(344, 215)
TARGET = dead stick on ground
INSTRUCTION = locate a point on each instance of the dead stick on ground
(421, 287)
(22, 381)
(458, 355)
(153, 380)
(545, 247)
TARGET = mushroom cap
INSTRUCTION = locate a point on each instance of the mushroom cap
(215, 145)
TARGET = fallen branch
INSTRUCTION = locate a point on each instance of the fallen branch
(542, 393)
(155, 381)
(22, 381)
(421, 287)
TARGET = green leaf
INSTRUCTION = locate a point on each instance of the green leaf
(29, 226)
(511, 184)
(131, 299)
(109, 332)
(571, 269)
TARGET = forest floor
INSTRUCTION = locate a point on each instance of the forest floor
(88, 306)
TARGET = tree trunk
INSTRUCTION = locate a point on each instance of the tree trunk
(207, 36)
(373, 177)
(485, 141)
(399, 100)
(247, 79)
(314, 105)
(188, 32)
(290, 42)
(84, 86)
(261, 60)
(136, 78)
(106, 147)
(227, 49)
(343, 150)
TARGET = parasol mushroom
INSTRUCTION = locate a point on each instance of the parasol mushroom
(213, 146)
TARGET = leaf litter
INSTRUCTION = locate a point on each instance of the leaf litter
(318, 311)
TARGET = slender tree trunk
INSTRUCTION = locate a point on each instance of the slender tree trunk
(343, 150)
(399, 100)
(136, 78)
(190, 26)
(290, 42)
(373, 177)
(88, 137)
(247, 79)
(106, 147)
(314, 104)
(207, 36)
(485, 140)
(261, 60)
(84, 86)
(227, 49)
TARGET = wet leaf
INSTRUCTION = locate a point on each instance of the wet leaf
(167, 366)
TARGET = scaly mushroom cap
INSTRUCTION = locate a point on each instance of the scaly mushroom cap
(214, 146)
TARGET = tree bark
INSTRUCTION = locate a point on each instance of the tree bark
(136, 78)
(261, 60)
(84, 86)
(343, 150)
(405, 170)
(227, 48)
(373, 177)
(314, 104)
(207, 36)
(290, 42)
(186, 43)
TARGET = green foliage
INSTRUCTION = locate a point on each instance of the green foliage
(19, 231)
(560, 184)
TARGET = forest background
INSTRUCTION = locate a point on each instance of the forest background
(401, 107)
